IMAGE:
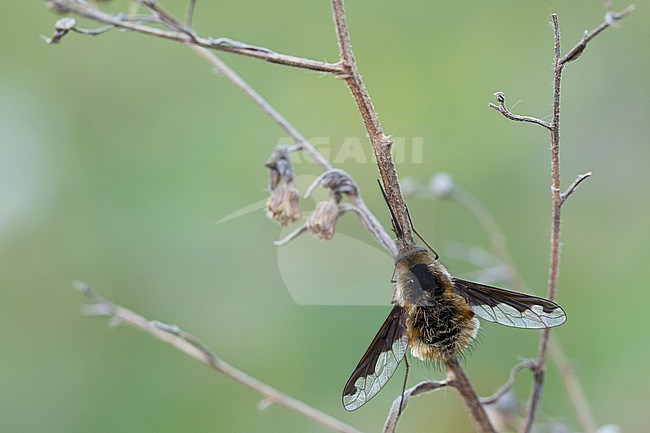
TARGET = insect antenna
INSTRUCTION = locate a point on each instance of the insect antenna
(418, 234)
(396, 227)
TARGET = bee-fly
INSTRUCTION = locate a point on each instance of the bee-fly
(434, 315)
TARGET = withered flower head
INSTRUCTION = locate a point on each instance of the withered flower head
(322, 222)
(282, 206)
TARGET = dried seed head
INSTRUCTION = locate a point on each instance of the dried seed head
(61, 28)
(322, 223)
(282, 206)
(337, 181)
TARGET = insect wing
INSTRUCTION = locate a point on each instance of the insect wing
(379, 362)
(508, 308)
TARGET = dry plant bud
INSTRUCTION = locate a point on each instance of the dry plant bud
(61, 28)
(282, 206)
(322, 223)
(280, 168)
(337, 181)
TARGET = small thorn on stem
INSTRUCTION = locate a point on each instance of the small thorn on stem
(571, 189)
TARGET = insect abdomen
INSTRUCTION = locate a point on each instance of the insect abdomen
(440, 331)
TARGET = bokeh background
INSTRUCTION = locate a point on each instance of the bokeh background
(118, 155)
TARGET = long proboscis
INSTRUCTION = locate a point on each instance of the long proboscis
(397, 228)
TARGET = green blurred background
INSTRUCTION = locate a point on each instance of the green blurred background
(118, 155)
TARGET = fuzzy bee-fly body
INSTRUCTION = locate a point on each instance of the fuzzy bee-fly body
(439, 323)
(434, 314)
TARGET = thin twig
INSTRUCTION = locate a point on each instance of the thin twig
(501, 108)
(291, 236)
(381, 143)
(554, 260)
(259, 100)
(374, 226)
(165, 17)
(191, 346)
(556, 197)
(570, 190)
(556, 350)
(189, 13)
(527, 364)
(611, 18)
(421, 388)
(94, 32)
(366, 219)
(84, 9)
(89, 11)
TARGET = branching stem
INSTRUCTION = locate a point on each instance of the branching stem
(194, 348)
(182, 34)
(381, 143)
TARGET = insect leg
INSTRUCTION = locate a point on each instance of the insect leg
(406, 375)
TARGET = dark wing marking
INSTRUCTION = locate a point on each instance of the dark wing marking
(510, 308)
(379, 362)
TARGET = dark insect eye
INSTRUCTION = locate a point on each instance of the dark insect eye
(424, 279)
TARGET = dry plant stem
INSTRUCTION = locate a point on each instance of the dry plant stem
(291, 236)
(571, 189)
(423, 387)
(191, 346)
(557, 197)
(87, 10)
(189, 13)
(254, 96)
(556, 350)
(611, 17)
(456, 377)
(381, 143)
(501, 108)
(554, 261)
(367, 218)
(527, 364)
